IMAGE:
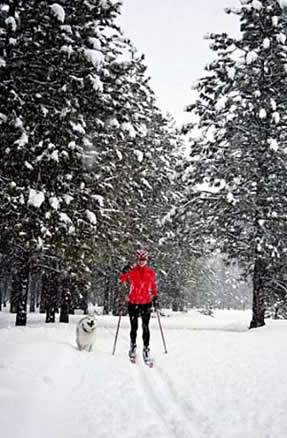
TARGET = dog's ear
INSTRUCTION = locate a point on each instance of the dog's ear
(92, 315)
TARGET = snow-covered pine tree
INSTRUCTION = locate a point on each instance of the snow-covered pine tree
(81, 137)
(56, 65)
(137, 170)
(237, 186)
(145, 148)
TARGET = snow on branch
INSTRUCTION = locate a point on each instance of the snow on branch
(91, 217)
(94, 57)
(36, 198)
(282, 3)
(58, 12)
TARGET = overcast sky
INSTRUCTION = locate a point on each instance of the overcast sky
(170, 34)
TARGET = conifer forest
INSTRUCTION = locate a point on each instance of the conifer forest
(91, 168)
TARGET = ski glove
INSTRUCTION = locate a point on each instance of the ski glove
(155, 303)
(126, 269)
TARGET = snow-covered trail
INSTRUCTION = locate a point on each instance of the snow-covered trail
(217, 379)
(174, 417)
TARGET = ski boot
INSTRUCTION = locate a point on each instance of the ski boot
(147, 357)
(132, 352)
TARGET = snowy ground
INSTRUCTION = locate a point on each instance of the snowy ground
(218, 380)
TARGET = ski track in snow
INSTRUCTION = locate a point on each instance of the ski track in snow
(209, 384)
(177, 417)
(161, 399)
(158, 396)
(65, 396)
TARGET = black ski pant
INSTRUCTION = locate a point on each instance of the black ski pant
(144, 311)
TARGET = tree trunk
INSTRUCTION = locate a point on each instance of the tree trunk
(64, 310)
(21, 287)
(13, 294)
(258, 305)
(51, 292)
(2, 288)
(43, 301)
(32, 291)
(106, 308)
(65, 301)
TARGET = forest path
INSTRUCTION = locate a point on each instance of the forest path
(80, 391)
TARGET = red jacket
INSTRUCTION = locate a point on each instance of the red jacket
(143, 284)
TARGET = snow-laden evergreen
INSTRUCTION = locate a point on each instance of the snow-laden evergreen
(235, 189)
(85, 152)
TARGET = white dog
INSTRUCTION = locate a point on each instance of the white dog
(86, 333)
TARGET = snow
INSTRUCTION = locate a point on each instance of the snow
(276, 117)
(221, 103)
(128, 127)
(68, 49)
(3, 117)
(262, 113)
(266, 43)
(95, 42)
(273, 104)
(257, 5)
(12, 41)
(100, 199)
(94, 57)
(67, 28)
(2, 62)
(251, 57)
(36, 198)
(103, 4)
(77, 127)
(230, 197)
(10, 21)
(91, 217)
(282, 3)
(281, 38)
(119, 154)
(68, 199)
(97, 83)
(58, 11)
(28, 165)
(231, 72)
(218, 379)
(275, 21)
(207, 187)
(139, 154)
(273, 144)
(65, 218)
(54, 202)
(146, 183)
(55, 156)
(24, 139)
(112, 122)
(18, 123)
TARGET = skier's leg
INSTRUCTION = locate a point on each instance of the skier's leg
(133, 314)
(145, 314)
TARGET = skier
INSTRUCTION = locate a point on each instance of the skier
(143, 293)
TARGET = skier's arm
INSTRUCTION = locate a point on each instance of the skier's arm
(154, 287)
(125, 274)
(154, 291)
(124, 277)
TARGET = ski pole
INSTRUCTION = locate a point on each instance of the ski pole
(161, 331)
(119, 323)
(117, 332)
